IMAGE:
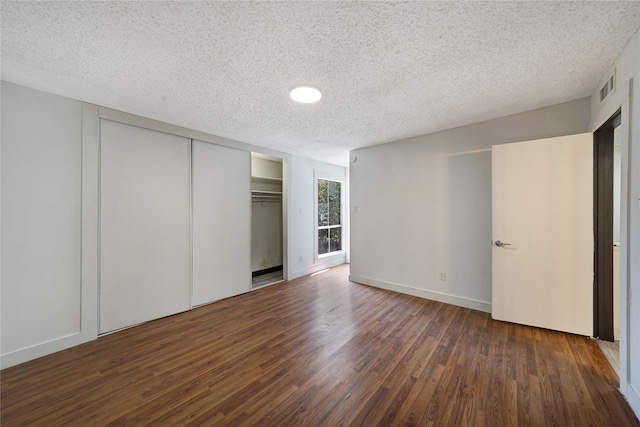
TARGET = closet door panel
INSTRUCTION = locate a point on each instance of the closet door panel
(144, 225)
(221, 222)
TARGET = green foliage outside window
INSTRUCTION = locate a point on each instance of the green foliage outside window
(329, 216)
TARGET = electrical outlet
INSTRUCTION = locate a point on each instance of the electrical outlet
(300, 258)
(443, 277)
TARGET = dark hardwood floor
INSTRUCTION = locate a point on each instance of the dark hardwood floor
(320, 351)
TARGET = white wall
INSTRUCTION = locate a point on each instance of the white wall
(616, 293)
(266, 233)
(303, 175)
(41, 224)
(617, 172)
(627, 97)
(422, 206)
(265, 168)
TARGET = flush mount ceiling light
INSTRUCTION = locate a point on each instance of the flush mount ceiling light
(305, 94)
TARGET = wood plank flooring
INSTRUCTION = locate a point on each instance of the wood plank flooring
(611, 351)
(266, 279)
(320, 351)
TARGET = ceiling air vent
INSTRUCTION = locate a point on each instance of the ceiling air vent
(609, 87)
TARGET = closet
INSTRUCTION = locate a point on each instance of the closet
(175, 221)
(266, 220)
(177, 226)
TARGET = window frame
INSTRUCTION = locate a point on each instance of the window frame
(318, 227)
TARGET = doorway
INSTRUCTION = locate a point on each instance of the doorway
(267, 260)
(606, 210)
(604, 222)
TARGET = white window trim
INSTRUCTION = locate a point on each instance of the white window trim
(341, 252)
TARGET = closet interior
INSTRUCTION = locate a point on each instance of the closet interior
(266, 220)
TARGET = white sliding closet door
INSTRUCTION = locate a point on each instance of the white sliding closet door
(144, 225)
(221, 222)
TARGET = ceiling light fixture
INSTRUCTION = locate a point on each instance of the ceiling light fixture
(305, 94)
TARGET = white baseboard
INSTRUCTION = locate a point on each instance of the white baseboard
(423, 293)
(633, 397)
(39, 350)
(329, 263)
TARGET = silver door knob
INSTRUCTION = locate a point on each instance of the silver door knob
(501, 244)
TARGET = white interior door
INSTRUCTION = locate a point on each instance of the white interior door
(145, 181)
(542, 213)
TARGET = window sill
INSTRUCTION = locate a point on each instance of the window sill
(331, 254)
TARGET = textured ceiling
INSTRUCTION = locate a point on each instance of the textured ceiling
(387, 70)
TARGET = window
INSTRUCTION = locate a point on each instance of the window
(329, 216)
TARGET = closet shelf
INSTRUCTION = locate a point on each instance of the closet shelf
(265, 179)
(259, 192)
